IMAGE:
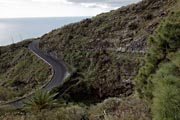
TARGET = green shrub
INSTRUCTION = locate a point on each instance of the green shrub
(73, 112)
(166, 94)
(41, 100)
(158, 80)
(164, 40)
(103, 109)
(133, 26)
(148, 16)
(119, 109)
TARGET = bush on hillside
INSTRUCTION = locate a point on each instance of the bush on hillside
(164, 40)
(41, 100)
(158, 80)
(166, 94)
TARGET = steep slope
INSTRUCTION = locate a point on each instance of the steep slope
(20, 71)
(159, 79)
(104, 53)
(105, 50)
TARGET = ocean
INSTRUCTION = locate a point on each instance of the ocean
(13, 30)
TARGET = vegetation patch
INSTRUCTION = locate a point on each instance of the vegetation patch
(158, 80)
(105, 53)
(20, 72)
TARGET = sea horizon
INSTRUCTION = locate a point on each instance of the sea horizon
(44, 17)
(13, 30)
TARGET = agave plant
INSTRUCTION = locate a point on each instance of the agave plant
(41, 100)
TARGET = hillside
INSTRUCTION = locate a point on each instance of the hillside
(104, 53)
(105, 50)
(20, 71)
(159, 79)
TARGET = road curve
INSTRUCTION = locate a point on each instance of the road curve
(59, 68)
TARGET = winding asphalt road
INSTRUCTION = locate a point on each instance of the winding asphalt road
(60, 70)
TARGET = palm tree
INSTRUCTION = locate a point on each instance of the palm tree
(41, 100)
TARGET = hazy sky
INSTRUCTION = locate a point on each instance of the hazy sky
(53, 8)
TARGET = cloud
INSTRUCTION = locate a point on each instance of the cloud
(55, 8)
(103, 3)
(94, 5)
(10, 1)
(50, 1)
